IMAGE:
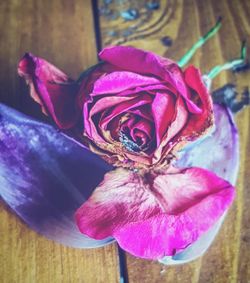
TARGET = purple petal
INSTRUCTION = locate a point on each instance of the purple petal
(219, 151)
(45, 177)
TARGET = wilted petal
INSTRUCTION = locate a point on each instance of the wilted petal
(155, 215)
(45, 176)
(51, 88)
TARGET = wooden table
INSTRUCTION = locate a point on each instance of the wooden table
(63, 32)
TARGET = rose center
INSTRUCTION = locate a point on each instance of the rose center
(135, 133)
(128, 143)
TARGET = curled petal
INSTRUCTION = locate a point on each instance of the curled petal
(119, 81)
(45, 176)
(199, 123)
(51, 88)
(168, 141)
(142, 129)
(136, 60)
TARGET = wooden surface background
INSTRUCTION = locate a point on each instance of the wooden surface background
(62, 31)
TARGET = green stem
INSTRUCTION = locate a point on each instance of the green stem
(184, 60)
(243, 53)
(229, 65)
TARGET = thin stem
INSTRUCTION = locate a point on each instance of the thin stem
(184, 60)
(229, 65)
(243, 53)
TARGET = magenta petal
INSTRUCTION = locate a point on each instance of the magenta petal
(51, 88)
(45, 176)
(121, 80)
(153, 216)
(165, 235)
(136, 60)
(113, 204)
(223, 159)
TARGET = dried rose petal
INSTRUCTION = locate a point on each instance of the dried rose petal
(155, 215)
(51, 88)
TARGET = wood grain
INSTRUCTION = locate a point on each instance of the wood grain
(62, 32)
(228, 260)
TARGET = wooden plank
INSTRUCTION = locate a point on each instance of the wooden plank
(228, 260)
(62, 32)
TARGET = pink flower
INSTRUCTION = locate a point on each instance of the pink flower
(136, 110)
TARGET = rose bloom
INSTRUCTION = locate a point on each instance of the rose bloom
(135, 109)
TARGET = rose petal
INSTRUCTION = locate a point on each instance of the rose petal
(88, 78)
(198, 123)
(149, 89)
(222, 159)
(221, 148)
(163, 108)
(119, 81)
(136, 60)
(45, 176)
(178, 82)
(51, 88)
(181, 118)
(142, 126)
(155, 215)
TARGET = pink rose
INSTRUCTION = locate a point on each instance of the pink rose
(135, 110)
